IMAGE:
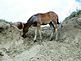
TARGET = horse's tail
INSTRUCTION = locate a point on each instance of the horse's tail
(58, 21)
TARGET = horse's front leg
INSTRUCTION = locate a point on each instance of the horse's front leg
(35, 37)
(39, 28)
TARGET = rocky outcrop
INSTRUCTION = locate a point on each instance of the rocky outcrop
(15, 48)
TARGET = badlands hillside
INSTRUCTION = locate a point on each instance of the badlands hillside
(68, 48)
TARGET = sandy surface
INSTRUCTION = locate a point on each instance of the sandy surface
(67, 48)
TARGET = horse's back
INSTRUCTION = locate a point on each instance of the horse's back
(47, 17)
(43, 18)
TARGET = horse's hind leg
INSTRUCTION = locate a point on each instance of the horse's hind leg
(51, 37)
(56, 31)
(52, 31)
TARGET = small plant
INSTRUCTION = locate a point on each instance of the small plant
(73, 14)
(2, 20)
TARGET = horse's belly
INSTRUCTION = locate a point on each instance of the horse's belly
(45, 22)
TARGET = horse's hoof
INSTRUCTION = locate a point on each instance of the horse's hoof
(24, 36)
(51, 39)
(1, 54)
(35, 41)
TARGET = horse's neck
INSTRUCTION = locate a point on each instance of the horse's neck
(27, 25)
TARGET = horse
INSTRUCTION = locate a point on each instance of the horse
(39, 19)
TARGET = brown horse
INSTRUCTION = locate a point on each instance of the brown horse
(39, 19)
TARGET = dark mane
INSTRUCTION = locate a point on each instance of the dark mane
(30, 19)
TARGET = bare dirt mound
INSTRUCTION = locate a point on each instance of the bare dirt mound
(15, 48)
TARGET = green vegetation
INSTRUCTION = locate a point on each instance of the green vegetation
(2, 20)
(74, 14)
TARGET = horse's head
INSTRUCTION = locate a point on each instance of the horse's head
(25, 29)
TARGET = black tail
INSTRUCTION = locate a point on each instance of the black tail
(58, 21)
